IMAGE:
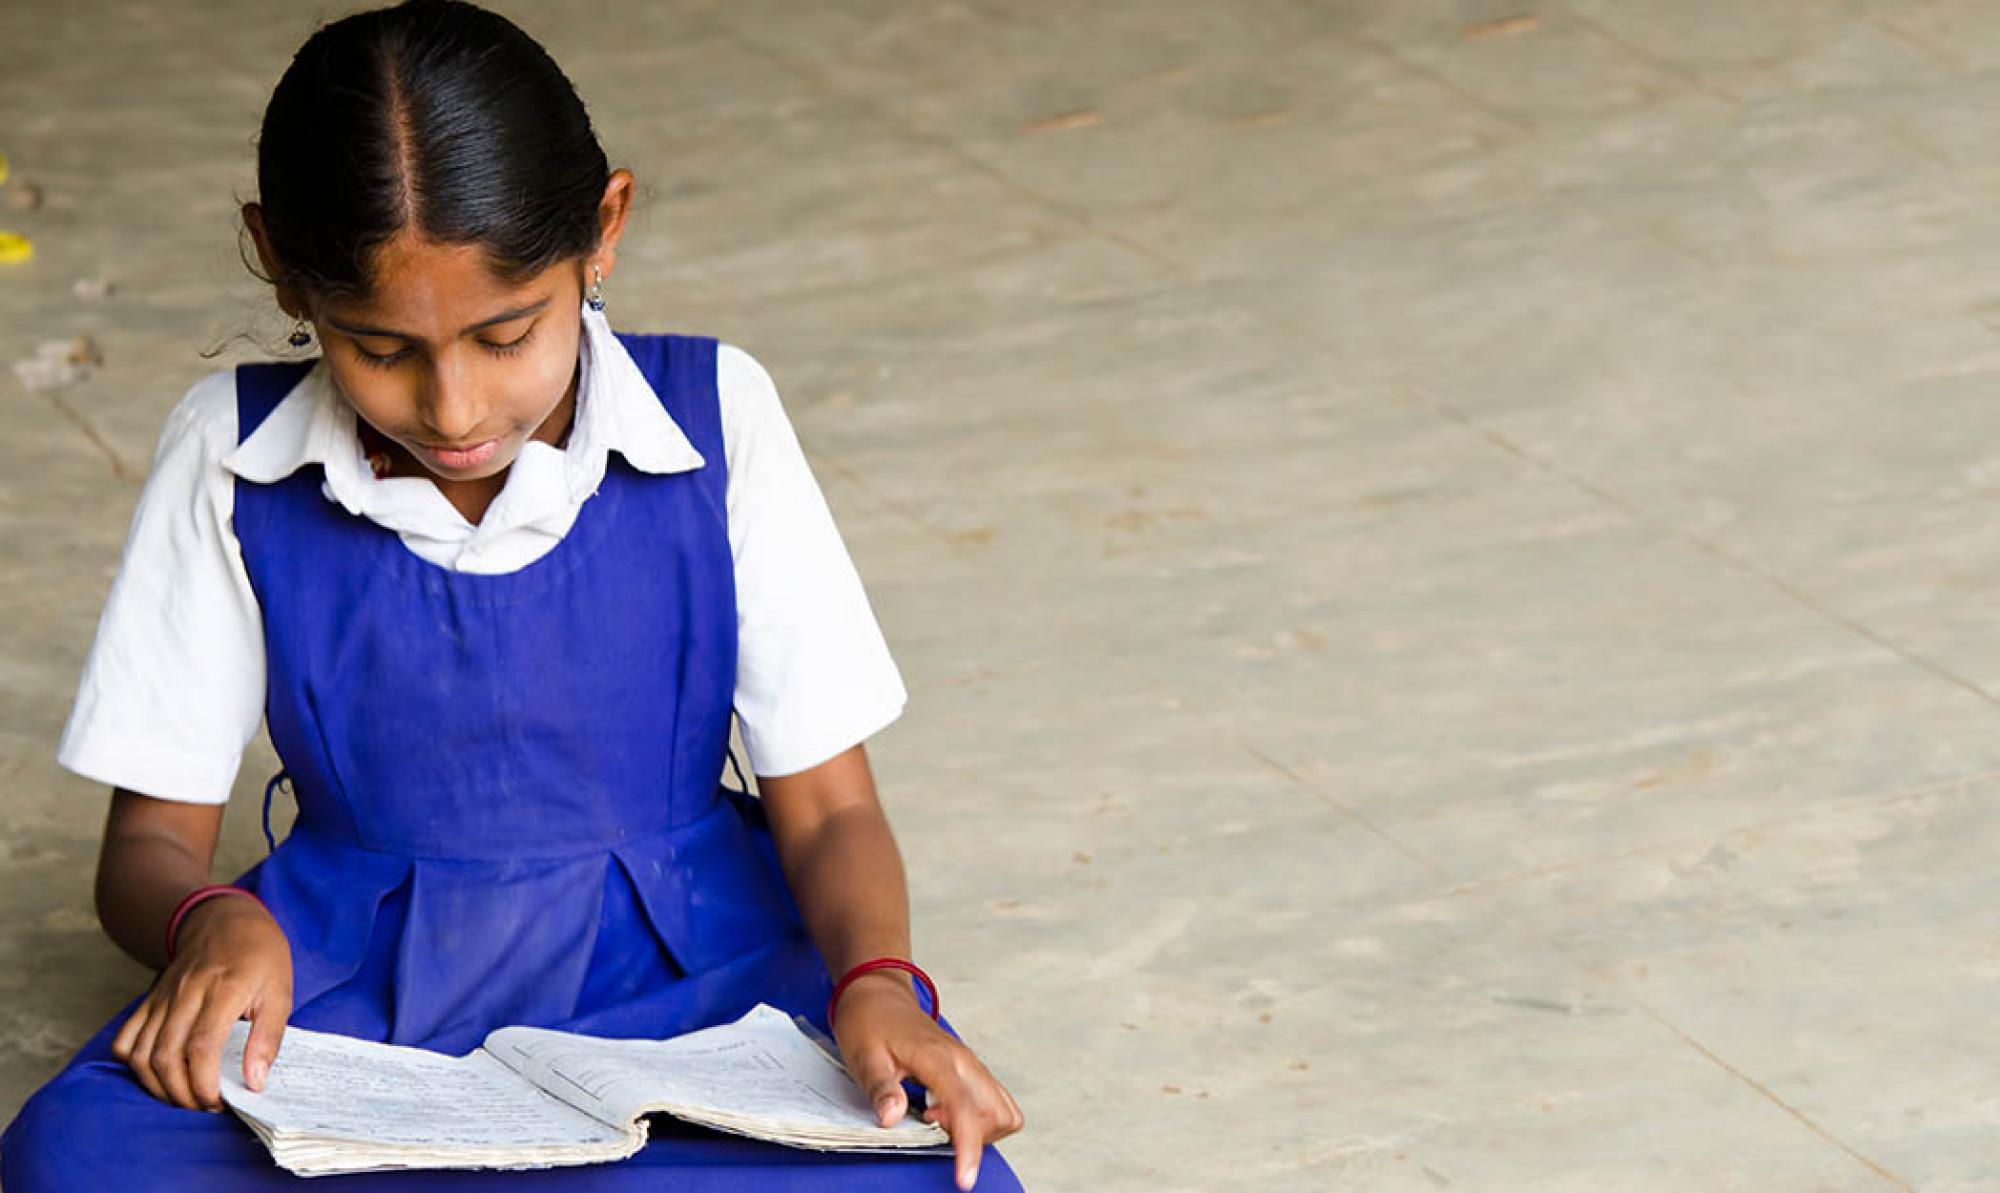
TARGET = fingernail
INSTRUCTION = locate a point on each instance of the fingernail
(257, 1070)
(968, 1178)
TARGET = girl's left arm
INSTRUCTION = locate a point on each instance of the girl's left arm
(847, 877)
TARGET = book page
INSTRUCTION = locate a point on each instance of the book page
(342, 1088)
(759, 1075)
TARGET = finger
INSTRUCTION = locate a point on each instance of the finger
(267, 1031)
(170, 1049)
(1014, 1119)
(891, 1104)
(967, 1144)
(225, 1004)
(969, 1086)
(121, 1044)
(141, 1059)
(204, 1050)
(881, 1081)
(996, 1107)
(943, 1086)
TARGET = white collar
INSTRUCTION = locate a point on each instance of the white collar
(616, 410)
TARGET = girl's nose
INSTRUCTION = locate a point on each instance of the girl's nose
(451, 403)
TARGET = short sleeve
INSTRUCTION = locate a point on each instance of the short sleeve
(814, 676)
(173, 687)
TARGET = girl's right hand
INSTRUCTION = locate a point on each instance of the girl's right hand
(232, 960)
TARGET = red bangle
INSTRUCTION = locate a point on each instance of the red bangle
(870, 967)
(198, 895)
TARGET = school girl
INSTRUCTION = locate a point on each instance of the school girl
(495, 578)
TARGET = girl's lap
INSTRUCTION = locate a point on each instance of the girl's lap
(94, 1127)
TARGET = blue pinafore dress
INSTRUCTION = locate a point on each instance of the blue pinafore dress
(509, 811)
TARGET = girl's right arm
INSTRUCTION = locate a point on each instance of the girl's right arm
(231, 960)
(171, 691)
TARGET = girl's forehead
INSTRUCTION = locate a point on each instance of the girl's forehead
(432, 290)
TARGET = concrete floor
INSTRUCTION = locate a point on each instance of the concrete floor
(1443, 561)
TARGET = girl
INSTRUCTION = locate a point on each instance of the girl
(494, 577)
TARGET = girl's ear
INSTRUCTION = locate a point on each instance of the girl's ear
(289, 299)
(611, 212)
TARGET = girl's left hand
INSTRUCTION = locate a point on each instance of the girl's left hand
(885, 1036)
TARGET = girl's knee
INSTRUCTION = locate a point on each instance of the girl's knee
(43, 1149)
(85, 1129)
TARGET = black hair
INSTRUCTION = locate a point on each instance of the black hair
(434, 115)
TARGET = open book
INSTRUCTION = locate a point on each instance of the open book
(532, 1098)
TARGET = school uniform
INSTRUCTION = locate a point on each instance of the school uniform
(504, 741)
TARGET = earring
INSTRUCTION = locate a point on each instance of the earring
(301, 334)
(595, 295)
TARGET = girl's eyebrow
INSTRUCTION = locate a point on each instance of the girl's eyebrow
(503, 317)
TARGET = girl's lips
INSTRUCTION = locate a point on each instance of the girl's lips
(456, 459)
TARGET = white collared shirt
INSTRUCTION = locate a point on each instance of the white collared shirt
(173, 688)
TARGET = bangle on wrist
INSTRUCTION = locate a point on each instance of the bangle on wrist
(847, 979)
(195, 898)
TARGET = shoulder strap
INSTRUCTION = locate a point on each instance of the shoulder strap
(681, 370)
(259, 389)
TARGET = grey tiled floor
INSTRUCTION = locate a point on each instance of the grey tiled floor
(1443, 552)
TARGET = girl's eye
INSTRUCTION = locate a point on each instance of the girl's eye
(511, 346)
(397, 357)
(383, 362)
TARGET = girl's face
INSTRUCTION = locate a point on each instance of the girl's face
(454, 366)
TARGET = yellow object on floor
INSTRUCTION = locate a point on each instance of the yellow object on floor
(15, 249)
